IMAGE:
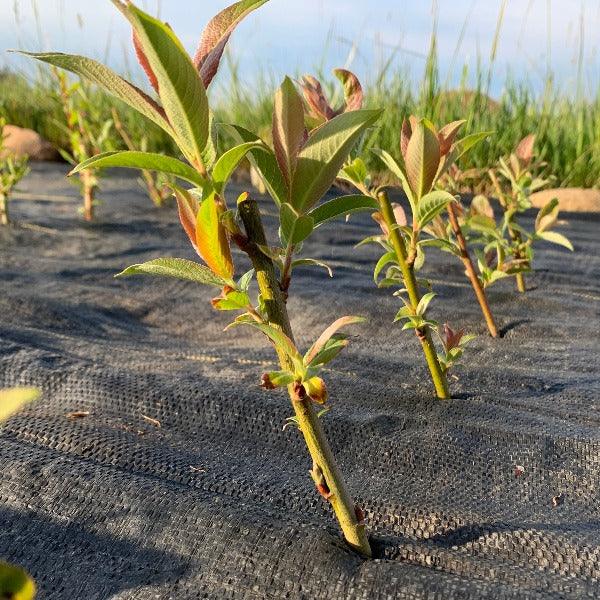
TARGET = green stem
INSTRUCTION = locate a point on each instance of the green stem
(4, 219)
(521, 283)
(325, 467)
(410, 281)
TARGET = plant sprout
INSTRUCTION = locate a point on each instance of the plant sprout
(88, 135)
(12, 170)
(157, 184)
(297, 174)
(508, 247)
(426, 155)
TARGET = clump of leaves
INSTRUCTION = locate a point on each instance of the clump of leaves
(297, 172)
(89, 133)
(425, 156)
(158, 185)
(12, 170)
(15, 583)
(506, 247)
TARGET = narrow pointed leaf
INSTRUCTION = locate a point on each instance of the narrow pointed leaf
(353, 92)
(307, 262)
(216, 34)
(143, 60)
(181, 91)
(178, 268)
(264, 162)
(289, 133)
(324, 154)
(108, 80)
(15, 583)
(424, 303)
(556, 238)
(399, 172)
(547, 216)
(422, 159)
(295, 228)
(228, 162)
(211, 237)
(148, 161)
(327, 334)
(187, 208)
(343, 205)
(431, 205)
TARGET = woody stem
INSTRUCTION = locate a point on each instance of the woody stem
(465, 257)
(309, 423)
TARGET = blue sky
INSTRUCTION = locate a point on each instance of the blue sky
(296, 36)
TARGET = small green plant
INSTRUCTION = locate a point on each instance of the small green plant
(297, 172)
(506, 247)
(88, 132)
(12, 170)
(15, 583)
(426, 154)
(158, 185)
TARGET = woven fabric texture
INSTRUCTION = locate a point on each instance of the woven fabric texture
(217, 501)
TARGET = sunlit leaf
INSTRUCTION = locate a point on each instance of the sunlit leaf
(178, 268)
(14, 399)
(324, 154)
(341, 206)
(431, 205)
(142, 160)
(15, 583)
(422, 159)
(228, 162)
(556, 238)
(327, 334)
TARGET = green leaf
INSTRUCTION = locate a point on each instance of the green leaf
(327, 334)
(15, 583)
(445, 245)
(295, 228)
(234, 300)
(547, 216)
(288, 128)
(431, 205)
(280, 340)
(264, 162)
(181, 90)
(424, 303)
(343, 205)
(399, 172)
(470, 141)
(275, 379)
(555, 238)
(387, 258)
(108, 80)
(229, 161)
(306, 262)
(178, 268)
(212, 241)
(330, 350)
(406, 312)
(143, 160)
(324, 154)
(13, 399)
(356, 172)
(422, 158)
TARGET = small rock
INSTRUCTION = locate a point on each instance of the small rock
(25, 142)
(569, 199)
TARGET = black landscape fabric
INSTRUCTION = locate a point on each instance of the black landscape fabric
(217, 501)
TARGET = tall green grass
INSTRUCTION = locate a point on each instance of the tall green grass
(567, 126)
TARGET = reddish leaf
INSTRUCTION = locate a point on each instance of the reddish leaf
(447, 135)
(145, 64)
(289, 133)
(524, 150)
(353, 92)
(405, 136)
(216, 35)
(187, 207)
(315, 98)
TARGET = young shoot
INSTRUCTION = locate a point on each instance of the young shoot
(297, 173)
(505, 246)
(12, 170)
(425, 155)
(89, 134)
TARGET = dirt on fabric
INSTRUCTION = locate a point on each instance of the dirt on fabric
(154, 466)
